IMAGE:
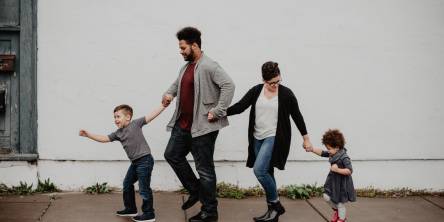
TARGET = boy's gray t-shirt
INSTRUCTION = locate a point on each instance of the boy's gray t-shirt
(132, 139)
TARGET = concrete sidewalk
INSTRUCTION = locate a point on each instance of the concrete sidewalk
(73, 207)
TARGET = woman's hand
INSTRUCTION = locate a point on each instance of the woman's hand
(307, 144)
(308, 149)
(211, 117)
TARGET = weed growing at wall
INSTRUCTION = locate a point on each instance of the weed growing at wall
(396, 193)
(24, 189)
(4, 189)
(255, 191)
(226, 190)
(306, 191)
(46, 187)
(303, 191)
(98, 189)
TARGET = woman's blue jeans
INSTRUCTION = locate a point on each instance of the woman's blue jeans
(263, 150)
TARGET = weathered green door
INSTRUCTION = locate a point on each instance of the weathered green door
(9, 113)
(18, 113)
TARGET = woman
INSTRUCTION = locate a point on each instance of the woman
(269, 132)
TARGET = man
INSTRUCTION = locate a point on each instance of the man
(204, 91)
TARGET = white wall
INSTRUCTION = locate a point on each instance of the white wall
(14, 172)
(370, 68)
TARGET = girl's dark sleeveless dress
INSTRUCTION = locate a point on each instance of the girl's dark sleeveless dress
(339, 187)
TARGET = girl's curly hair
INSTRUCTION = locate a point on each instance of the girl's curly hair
(333, 138)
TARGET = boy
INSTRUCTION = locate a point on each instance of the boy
(129, 133)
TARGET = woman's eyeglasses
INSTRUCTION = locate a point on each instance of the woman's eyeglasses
(273, 83)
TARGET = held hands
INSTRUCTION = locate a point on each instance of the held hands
(307, 145)
(166, 100)
(211, 117)
(308, 149)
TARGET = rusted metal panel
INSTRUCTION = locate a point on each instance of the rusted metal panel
(7, 63)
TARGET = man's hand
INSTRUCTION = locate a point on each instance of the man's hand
(211, 117)
(166, 100)
(83, 133)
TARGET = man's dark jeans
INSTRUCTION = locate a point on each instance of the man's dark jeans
(202, 148)
(139, 170)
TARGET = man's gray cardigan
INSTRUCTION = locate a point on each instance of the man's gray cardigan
(213, 92)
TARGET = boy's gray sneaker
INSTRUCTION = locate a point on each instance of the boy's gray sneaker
(126, 213)
(144, 218)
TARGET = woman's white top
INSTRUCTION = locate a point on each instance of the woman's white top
(266, 116)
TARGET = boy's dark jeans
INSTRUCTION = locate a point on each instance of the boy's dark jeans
(202, 148)
(139, 170)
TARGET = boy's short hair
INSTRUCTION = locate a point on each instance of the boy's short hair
(126, 109)
(190, 35)
(333, 138)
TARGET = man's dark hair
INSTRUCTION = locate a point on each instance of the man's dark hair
(127, 109)
(270, 70)
(333, 138)
(190, 35)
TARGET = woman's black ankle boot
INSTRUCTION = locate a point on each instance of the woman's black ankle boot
(279, 208)
(258, 219)
(276, 209)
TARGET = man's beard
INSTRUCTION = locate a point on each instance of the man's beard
(189, 57)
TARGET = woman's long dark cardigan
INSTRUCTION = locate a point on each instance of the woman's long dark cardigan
(288, 105)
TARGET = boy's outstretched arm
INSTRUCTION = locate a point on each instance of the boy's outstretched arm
(154, 113)
(98, 138)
